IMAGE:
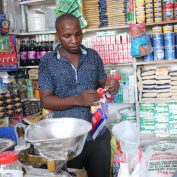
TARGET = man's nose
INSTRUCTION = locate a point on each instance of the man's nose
(74, 39)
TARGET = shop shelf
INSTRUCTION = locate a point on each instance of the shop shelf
(37, 2)
(153, 137)
(27, 67)
(157, 62)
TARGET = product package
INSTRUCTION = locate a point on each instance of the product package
(140, 45)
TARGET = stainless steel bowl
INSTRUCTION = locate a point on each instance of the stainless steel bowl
(58, 139)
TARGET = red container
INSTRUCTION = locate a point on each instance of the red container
(168, 12)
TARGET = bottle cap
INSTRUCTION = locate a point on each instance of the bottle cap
(8, 157)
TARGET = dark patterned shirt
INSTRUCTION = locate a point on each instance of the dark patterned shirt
(57, 73)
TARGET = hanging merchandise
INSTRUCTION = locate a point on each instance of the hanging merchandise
(131, 17)
(4, 24)
(139, 42)
(70, 6)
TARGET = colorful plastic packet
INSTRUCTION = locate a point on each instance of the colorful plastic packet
(99, 113)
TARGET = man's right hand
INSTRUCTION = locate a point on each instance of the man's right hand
(88, 98)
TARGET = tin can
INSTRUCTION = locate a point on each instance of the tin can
(157, 1)
(149, 5)
(148, 57)
(157, 30)
(148, 1)
(149, 15)
(168, 29)
(158, 9)
(139, 3)
(157, 40)
(149, 20)
(175, 28)
(140, 19)
(170, 53)
(168, 12)
(169, 39)
(158, 53)
(158, 14)
(149, 10)
(158, 19)
(176, 38)
(167, 1)
(157, 5)
(175, 11)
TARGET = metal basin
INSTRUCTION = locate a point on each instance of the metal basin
(58, 139)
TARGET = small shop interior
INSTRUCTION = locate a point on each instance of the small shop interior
(137, 42)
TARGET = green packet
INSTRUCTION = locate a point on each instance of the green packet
(83, 22)
(74, 6)
(65, 5)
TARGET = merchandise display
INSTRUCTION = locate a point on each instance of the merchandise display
(137, 42)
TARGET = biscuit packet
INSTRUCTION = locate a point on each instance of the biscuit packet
(100, 113)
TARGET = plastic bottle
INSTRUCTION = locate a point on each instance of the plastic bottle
(32, 54)
(23, 54)
(9, 164)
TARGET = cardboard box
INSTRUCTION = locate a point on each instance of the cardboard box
(33, 74)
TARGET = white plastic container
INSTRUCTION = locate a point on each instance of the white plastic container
(36, 21)
(9, 165)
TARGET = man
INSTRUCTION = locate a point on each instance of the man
(68, 80)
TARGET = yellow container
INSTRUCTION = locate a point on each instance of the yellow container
(157, 30)
(140, 19)
(168, 29)
(175, 28)
(149, 20)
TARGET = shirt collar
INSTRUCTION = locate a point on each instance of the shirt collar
(56, 51)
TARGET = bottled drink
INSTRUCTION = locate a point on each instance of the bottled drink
(32, 54)
(23, 54)
(43, 49)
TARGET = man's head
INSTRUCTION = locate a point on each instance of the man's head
(69, 32)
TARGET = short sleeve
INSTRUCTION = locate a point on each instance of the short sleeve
(101, 73)
(44, 77)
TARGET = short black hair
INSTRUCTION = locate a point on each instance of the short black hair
(63, 17)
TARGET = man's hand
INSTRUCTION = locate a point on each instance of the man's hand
(88, 98)
(113, 86)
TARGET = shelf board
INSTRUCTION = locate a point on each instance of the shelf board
(153, 137)
(33, 99)
(32, 33)
(161, 23)
(157, 62)
(160, 101)
(37, 2)
(119, 64)
(28, 67)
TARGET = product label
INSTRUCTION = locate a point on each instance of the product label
(24, 55)
(38, 55)
(43, 53)
(31, 55)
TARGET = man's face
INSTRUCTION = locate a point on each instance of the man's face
(70, 35)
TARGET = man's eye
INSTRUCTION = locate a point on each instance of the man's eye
(66, 36)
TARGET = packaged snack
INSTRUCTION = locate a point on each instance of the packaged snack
(140, 45)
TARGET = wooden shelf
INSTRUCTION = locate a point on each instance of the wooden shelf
(119, 64)
(157, 62)
(160, 101)
(161, 23)
(32, 33)
(37, 2)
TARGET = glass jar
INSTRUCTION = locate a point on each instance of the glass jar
(9, 165)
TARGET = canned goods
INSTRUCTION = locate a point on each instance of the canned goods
(175, 28)
(176, 38)
(175, 11)
(139, 3)
(149, 5)
(158, 19)
(157, 1)
(148, 57)
(167, 1)
(149, 15)
(140, 19)
(168, 12)
(157, 40)
(158, 53)
(170, 53)
(149, 20)
(157, 9)
(157, 30)
(148, 1)
(149, 11)
(169, 39)
(157, 5)
(158, 14)
(168, 29)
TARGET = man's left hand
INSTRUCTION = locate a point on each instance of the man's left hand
(113, 86)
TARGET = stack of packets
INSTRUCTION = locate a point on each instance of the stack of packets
(103, 13)
(128, 113)
(157, 83)
(100, 112)
(70, 6)
(116, 12)
(91, 13)
(159, 119)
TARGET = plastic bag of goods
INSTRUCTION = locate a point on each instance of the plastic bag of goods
(161, 158)
(140, 45)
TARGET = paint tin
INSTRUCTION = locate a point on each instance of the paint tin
(167, 1)
(170, 53)
(148, 57)
(175, 38)
(158, 9)
(157, 40)
(149, 15)
(168, 28)
(149, 11)
(175, 28)
(140, 19)
(175, 11)
(149, 20)
(158, 53)
(149, 5)
(158, 19)
(157, 30)
(157, 5)
(169, 39)
(148, 1)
